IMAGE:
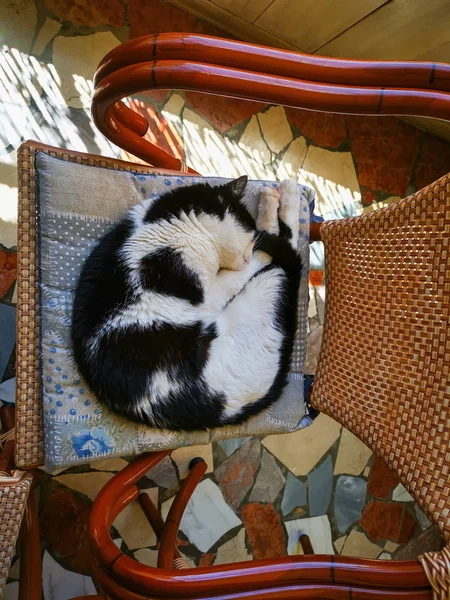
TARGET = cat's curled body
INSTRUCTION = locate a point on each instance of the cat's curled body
(185, 312)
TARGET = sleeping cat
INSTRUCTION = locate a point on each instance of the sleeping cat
(185, 312)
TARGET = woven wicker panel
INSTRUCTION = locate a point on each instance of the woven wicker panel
(29, 432)
(13, 496)
(385, 358)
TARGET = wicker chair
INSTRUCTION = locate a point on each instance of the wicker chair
(384, 363)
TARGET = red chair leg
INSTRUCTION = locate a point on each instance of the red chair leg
(30, 554)
(306, 545)
(172, 524)
(154, 518)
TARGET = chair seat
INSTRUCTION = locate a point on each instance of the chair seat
(78, 199)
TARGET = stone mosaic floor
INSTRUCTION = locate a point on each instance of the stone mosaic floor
(257, 494)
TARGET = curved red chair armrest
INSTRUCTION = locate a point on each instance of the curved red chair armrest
(290, 577)
(237, 69)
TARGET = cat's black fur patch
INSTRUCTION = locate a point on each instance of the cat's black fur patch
(124, 366)
(164, 271)
(102, 288)
(198, 198)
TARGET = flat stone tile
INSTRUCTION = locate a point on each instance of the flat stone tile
(408, 527)
(89, 484)
(88, 13)
(319, 532)
(433, 161)
(265, 531)
(292, 160)
(223, 113)
(11, 591)
(294, 494)
(233, 551)
(60, 584)
(400, 494)
(349, 499)
(165, 507)
(207, 516)
(47, 32)
(333, 177)
(382, 204)
(382, 162)
(14, 571)
(8, 270)
(320, 484)
(422, 518)
(236, 474)
(269, 482)
(153, 494)
(339, 543)
(352, 456)
(325, 129)
(357, 544)
(382, 479)
(164, 474)
(231, 445)
(134, 528)
(109, 464)
(173, 107)
(147, 557)
(275, 128)
(18, 22)
(76, 67)
(210, 153)
(252, 142)
(63, 525)
(183, 456)
(301, 450)
(391, 547)
(382, 520)
(428, 541)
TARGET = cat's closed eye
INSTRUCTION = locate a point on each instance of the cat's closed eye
(248, 252)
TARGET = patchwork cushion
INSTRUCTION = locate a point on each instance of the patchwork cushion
(77, 204)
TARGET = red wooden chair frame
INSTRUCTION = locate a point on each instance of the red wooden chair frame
(183, 61)
(305, 576)
(237, 69)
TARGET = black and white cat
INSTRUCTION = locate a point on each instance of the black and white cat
(185, 312)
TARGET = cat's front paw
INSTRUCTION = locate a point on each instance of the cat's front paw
(269, 201)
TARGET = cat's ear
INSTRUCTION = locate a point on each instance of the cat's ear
(237, 187)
